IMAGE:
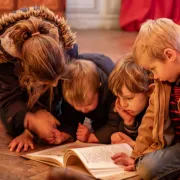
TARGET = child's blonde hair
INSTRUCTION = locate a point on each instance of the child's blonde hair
(154, 37)
(83, 80)
(128, 73)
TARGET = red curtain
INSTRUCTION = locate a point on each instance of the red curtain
(134, 12)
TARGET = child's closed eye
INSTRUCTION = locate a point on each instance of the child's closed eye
(129, 98)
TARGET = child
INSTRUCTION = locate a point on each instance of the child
(157, 48)
(130, 84)
(87, 92)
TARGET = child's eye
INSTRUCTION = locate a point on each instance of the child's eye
(130, 98)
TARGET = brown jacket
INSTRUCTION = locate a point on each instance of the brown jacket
(155, 132)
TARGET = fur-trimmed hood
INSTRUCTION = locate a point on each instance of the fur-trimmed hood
(8, 48)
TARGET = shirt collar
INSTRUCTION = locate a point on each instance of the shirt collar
(178, 82)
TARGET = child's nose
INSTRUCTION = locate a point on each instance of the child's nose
(156, 76)
(124, 104)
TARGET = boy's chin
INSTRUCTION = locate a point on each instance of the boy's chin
(177, 79)
(168, 81)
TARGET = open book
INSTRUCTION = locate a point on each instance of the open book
(91, 159)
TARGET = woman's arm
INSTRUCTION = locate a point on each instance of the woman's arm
(13, 106)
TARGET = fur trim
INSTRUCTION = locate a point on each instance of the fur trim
(3, 59)
(65, 34)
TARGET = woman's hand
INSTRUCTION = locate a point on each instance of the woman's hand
(22, 142)
(42, 123)
(59, 138)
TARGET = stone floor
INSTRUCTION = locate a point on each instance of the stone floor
(111, 43)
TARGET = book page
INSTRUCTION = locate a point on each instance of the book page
(117, 175)
(98, 162)
(54, 155)
(113, 174)
(100, 157)
(51, 160)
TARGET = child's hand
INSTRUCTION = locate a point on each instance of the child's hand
(116, 138)
(59, 138)
(22, 142)
(82, 133)
(128, 119)
(42, 123)
(122, 158)
(120, 137)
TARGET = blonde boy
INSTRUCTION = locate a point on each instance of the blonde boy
(82, 90)
(157, 48)
(87, 92)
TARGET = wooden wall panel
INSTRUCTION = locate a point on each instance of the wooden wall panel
(51, 4)
(57, 6)
(7, 5)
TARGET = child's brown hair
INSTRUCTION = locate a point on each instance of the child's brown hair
(128, 73)
(83, 79)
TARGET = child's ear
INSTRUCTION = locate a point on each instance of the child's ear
(151, 89)
(100, 84)
(170, 54)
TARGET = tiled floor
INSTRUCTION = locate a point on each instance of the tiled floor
(111, 43)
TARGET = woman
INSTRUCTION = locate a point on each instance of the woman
(33, 47)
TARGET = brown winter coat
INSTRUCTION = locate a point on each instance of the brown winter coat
(155, 132)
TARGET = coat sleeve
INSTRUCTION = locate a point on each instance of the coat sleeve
(108, 125)
(69, 119)
(104, 133)
(12, 105)
(144, 139)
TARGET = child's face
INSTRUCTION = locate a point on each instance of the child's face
(133, 103)
(92, 102)
(164, 70)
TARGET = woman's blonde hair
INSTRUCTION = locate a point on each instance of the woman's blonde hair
(154, 37)
(42, 56)
(128, 73)
(83, 80)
